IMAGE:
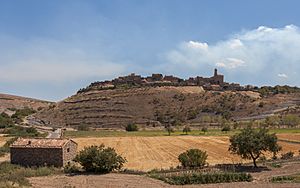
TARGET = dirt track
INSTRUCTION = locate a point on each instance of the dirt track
(146, 153)
(124, 180)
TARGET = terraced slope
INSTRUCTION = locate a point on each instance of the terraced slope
(150, 106)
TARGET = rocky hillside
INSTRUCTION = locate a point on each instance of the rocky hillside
(9, 103)
(154, 106)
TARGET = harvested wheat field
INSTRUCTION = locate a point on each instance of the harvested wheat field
(289, 137)
(146, 153)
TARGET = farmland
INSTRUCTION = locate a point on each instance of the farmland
(146, 153)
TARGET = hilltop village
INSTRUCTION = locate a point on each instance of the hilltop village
(215, 83)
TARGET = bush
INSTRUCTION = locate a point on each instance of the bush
(5, 148)
(226, 128)
(276, 165)
(287, 155)
(71, 168)
(99, 159)
(281, 179)
(82, 128)
(22, 131)
(204, 178)
(193, 158)
(21, 113)
(131, 127)
(204, 129)
(16, 175)
(5, 120)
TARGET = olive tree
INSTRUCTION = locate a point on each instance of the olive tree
(99, 159)
(186, 129)
(251, 144)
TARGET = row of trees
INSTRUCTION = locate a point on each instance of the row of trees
(289, 120)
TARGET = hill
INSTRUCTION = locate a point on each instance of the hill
(151, 107)
(9, 103)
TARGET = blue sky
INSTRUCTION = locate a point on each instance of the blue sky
(50, 49)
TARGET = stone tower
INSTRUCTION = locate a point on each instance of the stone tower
(216, 72)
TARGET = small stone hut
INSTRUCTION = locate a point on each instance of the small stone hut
(42, 152)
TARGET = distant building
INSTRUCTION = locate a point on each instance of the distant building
(160, 80)
(42, 152)
(217, 78)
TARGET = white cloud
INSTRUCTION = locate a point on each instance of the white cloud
(230, 63)
(197, 45)
(256, 56)
(282, 75)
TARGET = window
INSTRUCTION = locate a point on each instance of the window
(68, 149)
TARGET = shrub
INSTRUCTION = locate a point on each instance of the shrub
(99, 159)
(276, 165)
(22, 131)
(204, 129)
(16, 175)
(71, 168)
(5, 148)
(5, 120)
(82, 127)
(287, 155)
(193, 158)
(226, 128)
(203, 178)
(21, 113)
(282, 179)
(131, 127)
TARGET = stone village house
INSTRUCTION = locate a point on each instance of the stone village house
(42, 151)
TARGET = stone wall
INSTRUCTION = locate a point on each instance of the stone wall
(37, 156)
(43, 156)
(69, 152)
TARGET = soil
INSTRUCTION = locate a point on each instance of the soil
(261, 180)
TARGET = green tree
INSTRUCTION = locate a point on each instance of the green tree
(186, 129)
(99, 159)
(169, 129)
(291, 120)
(193, 158)
(226, 128)
(272, 121)
(131, 127)
(204, 129)
(251, 144)
(5, 120)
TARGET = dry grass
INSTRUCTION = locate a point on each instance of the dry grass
(3, 140)
(146, 153)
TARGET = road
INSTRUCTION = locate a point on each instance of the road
(54, 134)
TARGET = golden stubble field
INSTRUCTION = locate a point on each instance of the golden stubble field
(146, 153)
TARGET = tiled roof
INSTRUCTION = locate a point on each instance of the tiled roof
(39, 143)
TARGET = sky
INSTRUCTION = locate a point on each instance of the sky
(50, 49)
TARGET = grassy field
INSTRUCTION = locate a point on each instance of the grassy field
(150, 133)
